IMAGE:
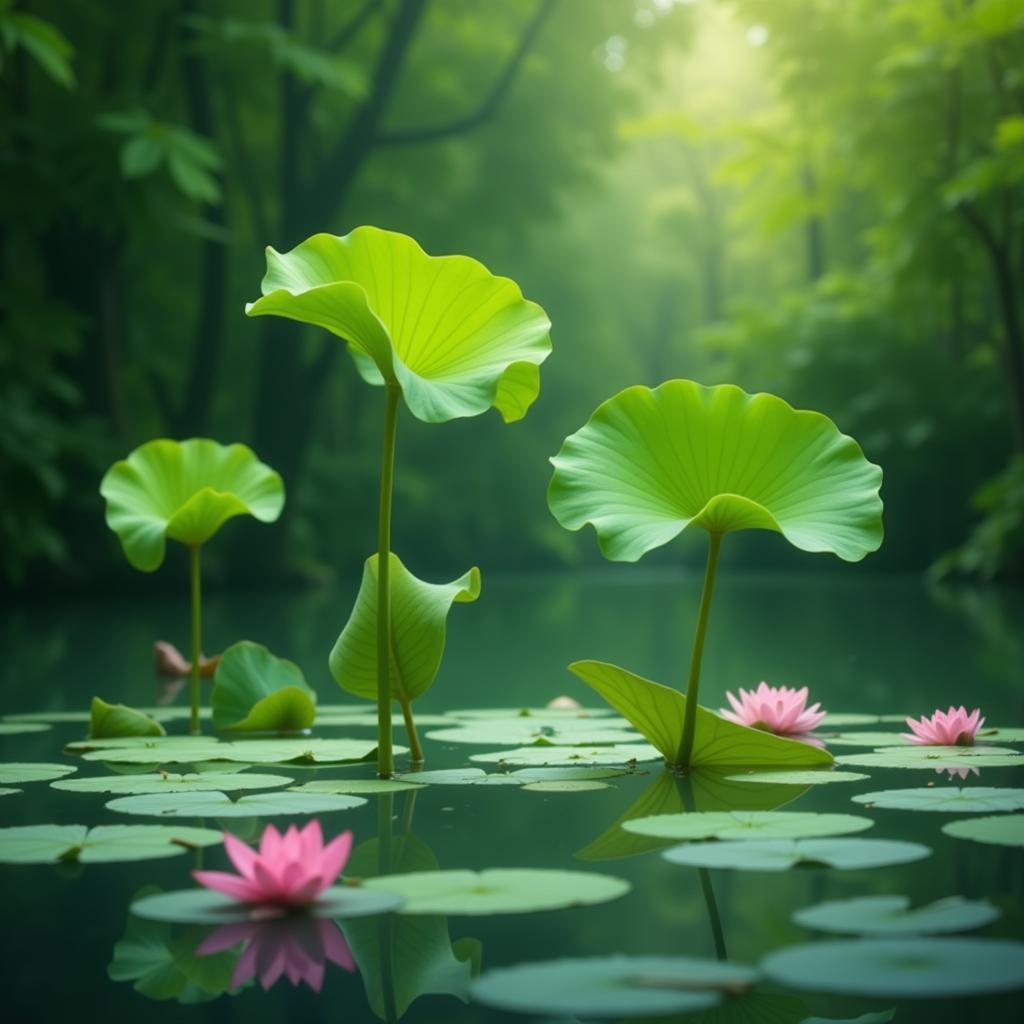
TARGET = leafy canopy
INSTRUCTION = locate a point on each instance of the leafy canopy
(255, 691)
(651, 463)
(455, 338)
(185, 490)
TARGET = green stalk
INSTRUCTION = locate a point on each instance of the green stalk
(685, 789)
(415, 750)
(693, 685)
(197, 635)
(385, 753)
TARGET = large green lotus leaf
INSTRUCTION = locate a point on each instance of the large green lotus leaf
(47, 844)
(612, 986)
(108, 720)
(658, 711)
(254, 691)
(185, 490)
(892, 915)
(455, 338)
(937, 758)
(220, 805)
(999, 829)
(651, 463)
(13, 771)
(747, 825)
(947, 799)
(419, 612)
(167, 782)
(922, 968)
(195, 750)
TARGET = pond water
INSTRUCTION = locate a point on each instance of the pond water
(862, 643)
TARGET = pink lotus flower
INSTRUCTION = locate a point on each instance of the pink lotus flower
(289, 870)
(952, 728)
(296, 946)
(778, 709)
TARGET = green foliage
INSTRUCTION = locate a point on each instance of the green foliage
(254, 691)
(109, 720)
(41, 40)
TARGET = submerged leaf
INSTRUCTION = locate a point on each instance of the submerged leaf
(419, 612)
(453, 336)
(254, 691)
(108, 720)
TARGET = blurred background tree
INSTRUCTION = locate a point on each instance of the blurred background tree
(820, 198)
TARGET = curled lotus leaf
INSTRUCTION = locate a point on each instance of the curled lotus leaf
(108, 720)
(255, 691)
(185, 490)
(651, 463)
(419, 613)
(453, 336)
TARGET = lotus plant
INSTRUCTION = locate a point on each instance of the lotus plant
(449, 339)
(186, 491)
(779, 709)
(952, 728)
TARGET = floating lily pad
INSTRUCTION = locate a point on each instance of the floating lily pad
(583, 774)
(999, 735)
(1000, 830)
(935, 757)
(923, 968)
(120, 720)
(567, 786)
(357, 787)
(946, 799)
(220, 805)
(164, 782)
(623, 754)
(255, 691)
(866, 739)
(891, 915)
(192, 750)
(613, 986)
(460, 777)
(48, 716)
(47, 844)
(14, 728)
(747, 825)
(368, 720)
(783, 854)
(524, 732)
(14, 771)
(812, 777)
(9, 792)
(844, 720)
(550, 714)
(203, 906)
(499, 890)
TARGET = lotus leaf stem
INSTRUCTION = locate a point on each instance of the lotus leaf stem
(415, 749)
(197, 636)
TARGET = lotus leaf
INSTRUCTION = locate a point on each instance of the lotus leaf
(892, 915)
(107, 720)
(28, 772)
(16, 728)
(254, 691)
(747, 825)
(167, 782)
(948, 800)
(625, 754)
(220, 805)
(783, 854)
(999, 829)
(47, 844)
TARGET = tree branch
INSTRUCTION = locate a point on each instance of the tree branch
(491, 101)
(981, 229)
(348, 32)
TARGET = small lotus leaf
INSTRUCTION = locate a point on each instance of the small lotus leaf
(568, 786)
(30, 772)
(935, 758)
(499, 890)
(747, 825)
(1000, 829)
(613, 986)
(621, 754)
(814, 777)
(165, 782)
(947, 799)
(355, 787)
(891, 915)
(460, 777)
(368, 720)
(584, 774)
(651, 463)
(8, 792)
(185, 490)
(419, 612)
(47, 844)
(657, 711)
(194, 750)
(48, 716)
(109, 720)
(783, 854)
(844, 719)
(17, 728)
(865, 739)
(912, 968)
(220, 805)
(515, 734)
(454, 337)
(254, 691)
(203, 906)
(552, 715)
(991, 734)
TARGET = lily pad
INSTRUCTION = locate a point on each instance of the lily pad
(918, 968)
(892, 915)
(866, 739)
(255, 691)
(814, 777)
(460, 777)
(621, 754)
(53, 717)
(583, 774)
(554, 715)
(613, 986)
(783, 854)
(524, 732)
(1000, 829)
(455, 338)
(747, 825)
(928, 757)
(499, 890)
(991, 734)
(8, 792)
(185, 490)
(48, 844)
(165, 782)
(946, 799)
(368, 720)
(192, 750)
(567, 786)
(204, 906)
(220, 805)
(355, 787)
(13, 771)
(658, 712)
(16, 728)
(107, 720)
(845, 719)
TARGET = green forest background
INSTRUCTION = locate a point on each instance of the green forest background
(818, 198)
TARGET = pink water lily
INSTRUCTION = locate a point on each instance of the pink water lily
(297, 947)
(779, 709)
(952, 728)
(289, 870)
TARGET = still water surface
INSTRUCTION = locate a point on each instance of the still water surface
(862, 644)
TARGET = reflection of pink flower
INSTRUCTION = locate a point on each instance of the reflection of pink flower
(296, 946)
(952, 728)
(779, 709)
(289, 870)
(960, 772)
(563, 703)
